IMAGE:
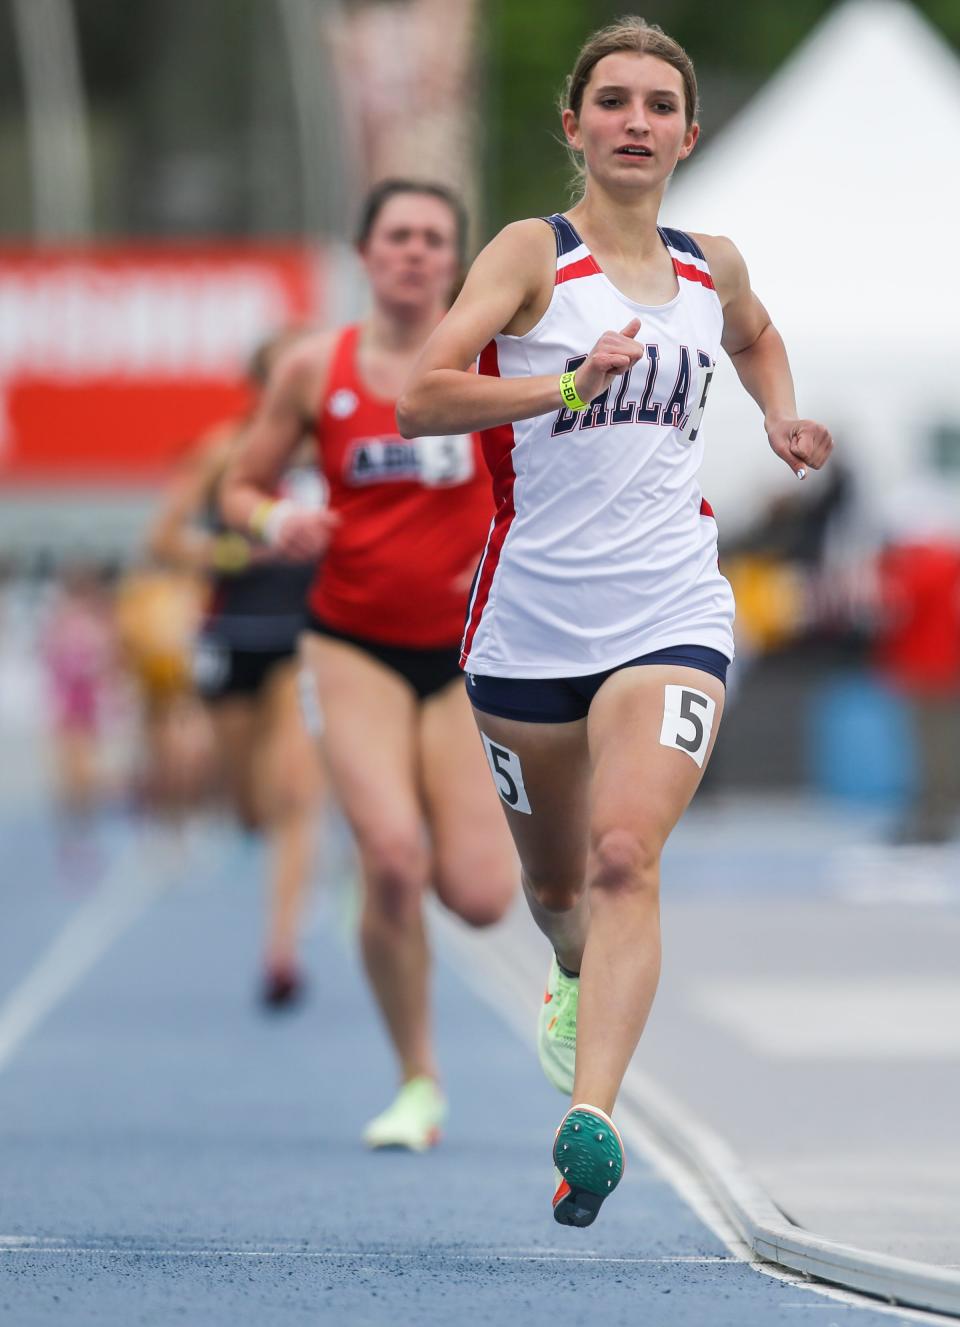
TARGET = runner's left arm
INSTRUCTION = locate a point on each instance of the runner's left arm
(758, 354)
(175, 537)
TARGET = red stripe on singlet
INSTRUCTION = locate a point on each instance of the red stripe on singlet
(706, 509)
(582, 267)
(498, 444)
(691, 273)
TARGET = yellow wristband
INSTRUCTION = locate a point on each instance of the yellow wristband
(260, 515)
(568, 392)
(229, 552)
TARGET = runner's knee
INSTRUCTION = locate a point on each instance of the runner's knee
(480, 911)
(395, 869)
(622, 861)
(557, 891)
(480, 900)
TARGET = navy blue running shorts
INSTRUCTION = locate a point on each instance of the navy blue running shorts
(566, 699)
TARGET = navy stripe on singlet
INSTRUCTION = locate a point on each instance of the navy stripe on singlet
(679, 239)
(567, 237)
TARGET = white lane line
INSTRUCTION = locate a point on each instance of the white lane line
(15, 1244)
(492, 968)
(810, 1308)
(126, 890)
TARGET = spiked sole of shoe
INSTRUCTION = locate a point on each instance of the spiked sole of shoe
(589, 1159)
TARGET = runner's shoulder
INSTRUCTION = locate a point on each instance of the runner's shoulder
(724, 259)
(528, 239)
(301, 372)
(525, 250)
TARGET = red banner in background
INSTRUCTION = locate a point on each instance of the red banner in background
(113, 360)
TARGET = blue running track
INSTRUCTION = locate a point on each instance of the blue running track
(171, 1154)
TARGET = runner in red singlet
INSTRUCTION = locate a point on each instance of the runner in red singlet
(414, 517)
(400, 540)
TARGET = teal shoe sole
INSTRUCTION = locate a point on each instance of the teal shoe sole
(589, 1159)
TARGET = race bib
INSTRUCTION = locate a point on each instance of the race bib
(445, 460)
(211, 664)
(507, 774)
(687, 721)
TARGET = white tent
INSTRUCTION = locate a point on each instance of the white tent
(840, 184)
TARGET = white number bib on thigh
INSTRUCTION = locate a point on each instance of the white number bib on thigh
(507, 774)
(210, 663)
(309, 696)
(687, 721)
(445, 460)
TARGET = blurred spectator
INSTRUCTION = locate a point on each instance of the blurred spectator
(157, 616)
(78, 650)
(918, 645)
(806, 610)
(788, 585)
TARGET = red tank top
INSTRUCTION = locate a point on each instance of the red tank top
(415, 516)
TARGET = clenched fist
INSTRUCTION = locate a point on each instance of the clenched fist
(802, 443)
(299, 534)
(612, 355)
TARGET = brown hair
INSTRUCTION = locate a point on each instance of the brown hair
(387, 189)
(637, 37)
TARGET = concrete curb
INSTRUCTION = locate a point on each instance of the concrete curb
(756, 1221)
(764, 1228)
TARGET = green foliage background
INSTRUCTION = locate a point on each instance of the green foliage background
(194, 127)
(531, 46)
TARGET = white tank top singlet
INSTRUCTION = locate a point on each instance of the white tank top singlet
(602, 547)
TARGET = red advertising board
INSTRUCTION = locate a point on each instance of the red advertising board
(113, 360)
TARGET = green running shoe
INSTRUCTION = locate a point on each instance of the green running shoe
(413, 1120)
(557, 1030)
(589, 1160)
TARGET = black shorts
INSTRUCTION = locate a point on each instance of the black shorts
(219, 671)
(427, 671)
(566, 699)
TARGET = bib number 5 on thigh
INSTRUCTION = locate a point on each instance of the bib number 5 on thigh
(688, 717)
(507, 775)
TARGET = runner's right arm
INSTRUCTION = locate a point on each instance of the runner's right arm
(507, 290)
(285, 413)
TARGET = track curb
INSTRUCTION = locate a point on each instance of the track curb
(753, 1216)
(763, 1227)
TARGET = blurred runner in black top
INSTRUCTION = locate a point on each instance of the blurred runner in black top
(246, 670)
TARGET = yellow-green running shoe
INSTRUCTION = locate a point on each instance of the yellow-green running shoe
(557, 1031)
(589, 1160)
(413, 1119)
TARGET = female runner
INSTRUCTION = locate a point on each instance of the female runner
(400, 540)
(245, 668)
(599, 628)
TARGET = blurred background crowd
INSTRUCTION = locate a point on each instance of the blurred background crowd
(181, 181)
